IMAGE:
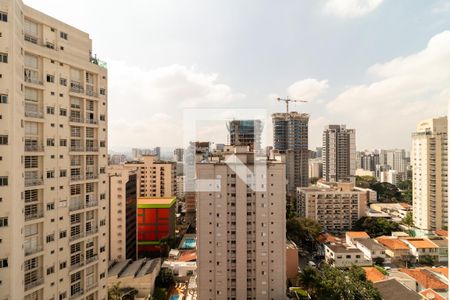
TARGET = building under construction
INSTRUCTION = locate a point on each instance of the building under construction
(245, 133)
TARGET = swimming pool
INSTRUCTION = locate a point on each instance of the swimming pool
(189, 243)
(174, 297)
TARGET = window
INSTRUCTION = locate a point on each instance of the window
(62, 265)
(50, 270)
(4, 263)
(102, 92)
(3, 98)
(50, 238)
(102, 143)
(62, 234)
(102, 249)
(62, 173)
(3, 140)
(50, 206)
(3, 180)
(50, 110)
(63, 35)
(63, 81)
(102, 118)
(63, 112)
(4, 58)
(51, 142)
(50, 78)
(51, 174)
(4, 222)
(3, 16)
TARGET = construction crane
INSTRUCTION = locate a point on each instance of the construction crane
(287, 100)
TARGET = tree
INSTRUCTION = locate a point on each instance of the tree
(331, 283)
(406, 190)
(165, 278)
(427, 260)
(114, 292)
(365, 181)
(159, 294)
(376, 226)
(379, 261)
(408, 220)
(386, 192)
(302, 230)
(313, 180)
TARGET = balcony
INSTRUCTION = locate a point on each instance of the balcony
(91, 121)
(91, 286)
(32, 38)
(76, 87)
(92, 231)
(34, 181)
(76, 266)
(33, 147)
(76, 295)
(91, 176)
(33, 250)
(34, 284)
(76, 119)
(76, 177)
(76, 148)
(77, 205)
(91, 259)
(92, 148)
(76, 236)
(34, 215)
(31, 76)
(91, 93)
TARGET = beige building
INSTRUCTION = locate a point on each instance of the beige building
(336, 207)
(53, 156)
(156, 178)
(429, 159)
(241, 244)
(122, 212)
(292, 262)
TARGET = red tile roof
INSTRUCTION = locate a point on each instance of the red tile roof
(393, 244)
(426, 278)
(357, 234)
(442, 232)
(431, 295)
(373, 274)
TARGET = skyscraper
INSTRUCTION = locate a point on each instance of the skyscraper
(53, 149)
(241, 238)
(429, 158)
(245, 133)
(338, 153)
(290, 136)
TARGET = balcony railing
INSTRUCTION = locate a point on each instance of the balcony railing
(34, 215)
(33, 250)
(91, 203)
(91, 259)
(76, 177)
(91, 93)
(34, 114)
(76, 266)
(91, 121)
(34, 181)
(77, 294)
(33, 148)
(77, 148)
(77, 119)
(74, 206)
(91, 176)
(76, 236)
(91, 148)
(34, 284)
(76, 87)
(92, 231)
(91, 286)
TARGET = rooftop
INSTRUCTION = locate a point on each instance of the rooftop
(326, 238)
(393, 244)
(426, 278)
(373, 274)
(370, 244)
(442, 232)
(440, 242)
(357, 234)
(442, 270)
(431, 295)
(391, 289)
(164, 202)
(129, 268)
(342, 249)
(421, 243)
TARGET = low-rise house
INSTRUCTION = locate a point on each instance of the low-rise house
(421, 247)
(442, 243)
(441, 232)
(341, 256)
(351, 235)
(370, 248)
(325, 238)
(391, 289)
(427, 279)
(396, 250)
(373, 274)
(430, 294)
(138, 276)
(396, 210)
(403, 278)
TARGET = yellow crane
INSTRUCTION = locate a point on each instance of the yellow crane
(287, 100)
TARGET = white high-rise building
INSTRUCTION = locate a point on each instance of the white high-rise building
(53, 155)
(429, 159)
(338, 153)
(241, 234)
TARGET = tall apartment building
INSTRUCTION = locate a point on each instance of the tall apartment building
(122, 212)
(178, 154)
(245, 133)
(338, 153)
(241, 236)
(367, 161)
(396, 159)
(156, 178)
(429, 159)
(336, 207)
(290, 136)
(53, 155)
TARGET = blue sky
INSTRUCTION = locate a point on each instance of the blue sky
(378, 66)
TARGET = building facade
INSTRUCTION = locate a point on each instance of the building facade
(53, 150)
(241, 233)
(290, 136)
(156, 178)
(245, 133)
(122, 212)
(338, 153)
(336, 208)
(429, 158)
(155, 221)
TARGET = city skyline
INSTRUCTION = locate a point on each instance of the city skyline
(249, 65)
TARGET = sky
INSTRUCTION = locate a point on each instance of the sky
(379, 66)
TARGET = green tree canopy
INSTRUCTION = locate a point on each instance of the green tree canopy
(301, 230)
(376, 226)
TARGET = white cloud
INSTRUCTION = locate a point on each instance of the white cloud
(145, 106)
(307, 89)
(404, 91)
(350, 8)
